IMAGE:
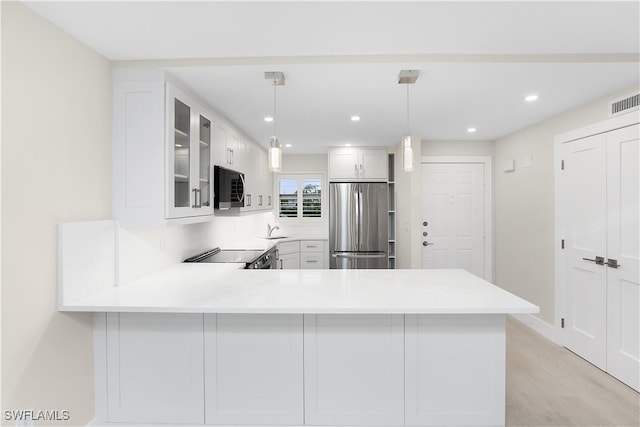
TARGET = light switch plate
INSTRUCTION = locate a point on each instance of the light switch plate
(509, 165)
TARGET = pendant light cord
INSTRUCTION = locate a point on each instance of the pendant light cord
(408, 123)
(274, 108)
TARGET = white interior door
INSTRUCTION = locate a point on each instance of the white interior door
(623, 232)
(453, 214)
(584, 195)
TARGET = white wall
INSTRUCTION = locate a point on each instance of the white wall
(457, 148)
(144, 251)
(305, 163)
(56, 152)
(524, 205)
(408, 211)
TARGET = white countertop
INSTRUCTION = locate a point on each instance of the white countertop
(222, 288)
(265, 243)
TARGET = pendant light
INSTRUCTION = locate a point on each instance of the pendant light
(407, 77)
(275, 79)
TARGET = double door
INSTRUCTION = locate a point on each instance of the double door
(358, 225)
(600, 193)
(190, 177)
(351, 164)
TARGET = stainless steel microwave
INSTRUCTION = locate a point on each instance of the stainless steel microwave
(228, 187)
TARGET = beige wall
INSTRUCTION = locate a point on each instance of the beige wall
(457, 148)
(305, 163)
(56, 167)
(524, 205)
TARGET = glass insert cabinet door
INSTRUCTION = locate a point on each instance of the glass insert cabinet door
(190, 190)
(205, 175)
(182, 155)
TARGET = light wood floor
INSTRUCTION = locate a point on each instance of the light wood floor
(547, 385)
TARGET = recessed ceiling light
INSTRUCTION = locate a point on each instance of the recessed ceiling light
(268, 119)
(471, 130)
(287, 145)
(347, 144)
(355, 118)
(531, 98)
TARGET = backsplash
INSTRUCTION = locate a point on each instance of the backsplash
(144, 251)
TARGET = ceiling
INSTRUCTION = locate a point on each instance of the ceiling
(477, 61)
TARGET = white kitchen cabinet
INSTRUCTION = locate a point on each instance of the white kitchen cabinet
(230, 150)
(190, 176)
(258, 180)
(154, 368)
(153, 120)
(253, 369)
(455, 369)
(313, 254)
(288, 255)
(354, 369)
(264, 191)
(358, 164)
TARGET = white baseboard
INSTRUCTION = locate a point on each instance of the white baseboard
(540, 326)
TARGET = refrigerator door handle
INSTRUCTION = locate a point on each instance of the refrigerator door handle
(360, 217)
(360, 256)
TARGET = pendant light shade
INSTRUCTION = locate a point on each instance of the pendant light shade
(275, 155)
(407, 153)
(275, 79)
(407, 77)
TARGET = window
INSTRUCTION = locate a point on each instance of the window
(300, 197)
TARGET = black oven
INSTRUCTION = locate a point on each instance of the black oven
(228, 188)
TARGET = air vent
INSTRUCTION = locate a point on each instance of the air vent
(624, 105)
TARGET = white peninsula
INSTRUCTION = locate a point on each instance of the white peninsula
(211, 345)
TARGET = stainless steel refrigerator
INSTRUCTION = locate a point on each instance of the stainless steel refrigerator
(358, 225)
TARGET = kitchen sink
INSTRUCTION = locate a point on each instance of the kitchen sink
(276, 237)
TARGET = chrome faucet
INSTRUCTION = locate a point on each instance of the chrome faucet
(271, 229)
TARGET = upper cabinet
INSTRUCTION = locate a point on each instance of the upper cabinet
(358, 164)
(230, 150)
(162, 153)
(190, 178)
(259, 181)
(165, 143)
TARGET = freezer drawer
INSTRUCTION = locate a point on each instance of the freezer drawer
(360, 260)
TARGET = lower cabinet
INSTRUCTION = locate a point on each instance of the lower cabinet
(354, 369)
(313, 254)
(304, 254)
(154, 368)
(455, 369)
(289, 255)
(294, 369)
(253, 369)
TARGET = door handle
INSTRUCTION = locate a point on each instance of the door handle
(599, 260)
(613, 263)
(195, 198)
(425, 243)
